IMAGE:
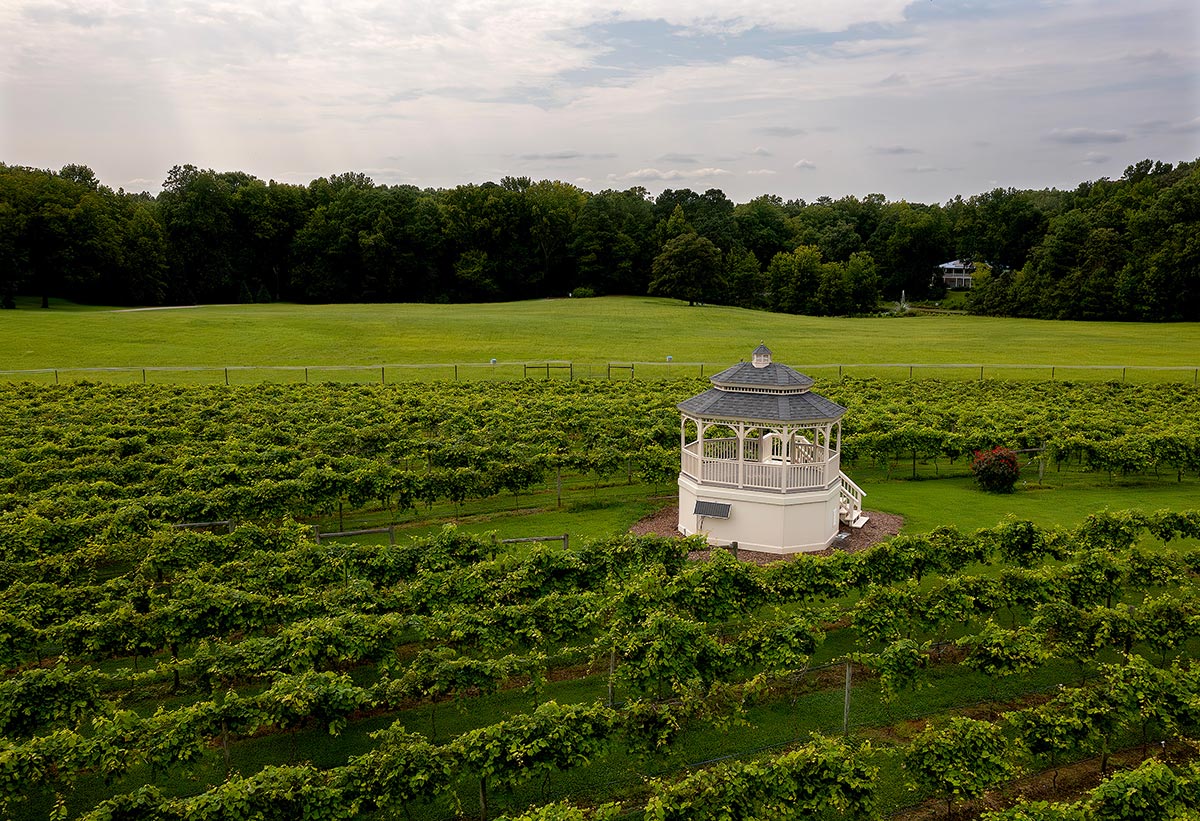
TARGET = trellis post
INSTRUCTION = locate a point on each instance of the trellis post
(846, 702)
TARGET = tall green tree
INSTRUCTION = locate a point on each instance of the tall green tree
(762, 226)
(553, 209)
(13, 259)
(612, 243)
(710, 214)
(794, 278)
(689, 268)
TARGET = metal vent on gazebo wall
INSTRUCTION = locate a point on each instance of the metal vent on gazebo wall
(714, 510)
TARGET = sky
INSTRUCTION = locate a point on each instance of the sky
(918, 100)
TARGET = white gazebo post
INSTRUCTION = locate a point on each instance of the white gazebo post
(788, 502)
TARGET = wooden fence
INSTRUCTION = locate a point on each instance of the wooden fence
(572, 371)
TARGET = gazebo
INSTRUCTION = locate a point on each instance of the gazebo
(761, 461)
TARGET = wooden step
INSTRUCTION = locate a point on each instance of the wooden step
(860, 521)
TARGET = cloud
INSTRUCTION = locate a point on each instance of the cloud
(781, 131)
(658, 175)
(1095, 158)
(389, 175)
(565, 155)
(46, 13)
(1083, 136)
(922, 169)
(1167, 127)
(760, 172)
(721, 17)
(553, 155)
(710, 172)
(132, 88)
(1153, 126)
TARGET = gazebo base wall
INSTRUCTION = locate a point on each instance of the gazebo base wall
(766, 521)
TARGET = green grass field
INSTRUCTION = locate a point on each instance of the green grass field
(584, 331)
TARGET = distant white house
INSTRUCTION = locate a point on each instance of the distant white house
(959, 273)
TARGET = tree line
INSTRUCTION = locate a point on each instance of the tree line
(1110, 249)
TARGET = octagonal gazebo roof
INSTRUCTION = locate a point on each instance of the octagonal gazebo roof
(762, 391)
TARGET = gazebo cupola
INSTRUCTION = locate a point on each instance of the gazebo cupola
(760, 462)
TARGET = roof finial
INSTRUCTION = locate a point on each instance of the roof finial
(762, 356)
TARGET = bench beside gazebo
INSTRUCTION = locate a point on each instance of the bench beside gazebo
(760, 461)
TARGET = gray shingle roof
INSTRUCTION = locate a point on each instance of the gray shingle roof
(772, 376)
(715, 403)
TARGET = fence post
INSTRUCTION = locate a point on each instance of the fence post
(317, 533)
(143, 376)
(382, 374)
(981, 373)
(733, 548)
(306, 376)
(612, 671)
(846, 703)
(227, 377)
(392, 534)
(456, 373)
(1051, 373)
(566, 541)
(55, 376)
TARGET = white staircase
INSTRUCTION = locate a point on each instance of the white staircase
(850, 508)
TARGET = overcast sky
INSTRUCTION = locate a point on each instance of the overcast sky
(916, 100)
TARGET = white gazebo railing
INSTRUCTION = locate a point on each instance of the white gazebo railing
(851, 501)
(771, 474)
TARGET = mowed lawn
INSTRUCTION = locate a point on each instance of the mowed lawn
(608, 329)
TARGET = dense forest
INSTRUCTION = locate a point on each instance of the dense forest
(1110, 249)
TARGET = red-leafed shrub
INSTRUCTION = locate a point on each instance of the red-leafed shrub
(996, 470)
